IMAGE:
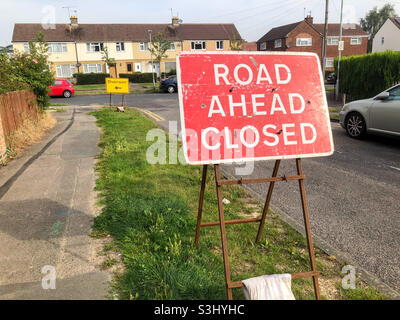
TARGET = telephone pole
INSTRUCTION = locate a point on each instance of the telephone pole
(324, 39)
(340, 51)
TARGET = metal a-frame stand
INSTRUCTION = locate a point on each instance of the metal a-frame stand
(222, 223)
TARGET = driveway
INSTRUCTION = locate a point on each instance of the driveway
(353, 195)
(47, 206)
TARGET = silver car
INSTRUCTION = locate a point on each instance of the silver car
(380, 114)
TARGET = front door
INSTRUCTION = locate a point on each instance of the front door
(385, 114)
(129, 67)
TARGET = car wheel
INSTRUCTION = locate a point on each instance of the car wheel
(355, 125)
(67, 94)
(171, 89)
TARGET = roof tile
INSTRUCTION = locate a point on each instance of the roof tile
(125, 32)
(333, 30)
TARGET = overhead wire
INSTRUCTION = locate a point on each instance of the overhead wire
(273, 21)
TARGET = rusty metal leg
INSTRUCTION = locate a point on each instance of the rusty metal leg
(201, 200)
(223, 233)
(268, 200)
(307, 227)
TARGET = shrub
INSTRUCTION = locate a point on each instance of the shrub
(167, 74)
(327, 73)
(171, 73)
(28, 71)
(91, 78)
(366, 75)
(138, 77)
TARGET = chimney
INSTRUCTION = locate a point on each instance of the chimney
(74, 21)
(309, 19)
(175, 21)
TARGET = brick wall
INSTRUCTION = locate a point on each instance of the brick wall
(304, 30)
(349, 49)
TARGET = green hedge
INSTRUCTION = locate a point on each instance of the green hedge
(138, 77)
(367, 75)
(171, 73)
(91, 78)
(327, 73)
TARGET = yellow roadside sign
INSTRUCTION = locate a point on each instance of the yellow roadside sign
(117, 85)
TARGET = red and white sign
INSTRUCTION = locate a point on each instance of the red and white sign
(242, 106)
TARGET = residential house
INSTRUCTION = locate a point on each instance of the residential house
(388, 36)
(249, 46)
(306, 36)
(7, 49)
(78, 47)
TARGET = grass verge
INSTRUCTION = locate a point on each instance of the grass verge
(150, 213)
(334, 113)
(30, 132)
(57, 105)
(89, 92)
(89, 86)
(93, 89)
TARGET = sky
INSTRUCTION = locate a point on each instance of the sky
(253, 18)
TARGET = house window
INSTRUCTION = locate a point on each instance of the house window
(263, 46)
(355, 41)
(304, 42)
(26, 47)
(329, 62)
(278, 43)
(332, 41)
(92, 68)
(383, 40)
(144, 46)
(220, 45)
(129, 67)
(57, 47)
(120, 46)
(198, 45)
(65, 70)
(172, 46)
(94, 47)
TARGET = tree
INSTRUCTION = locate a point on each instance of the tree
(110, 62)
(159, 47)
(236, 44)
(375, 19)
(28, 71)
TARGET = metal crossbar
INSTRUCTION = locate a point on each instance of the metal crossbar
(222, 223)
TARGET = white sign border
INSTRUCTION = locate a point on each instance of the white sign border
(241, 160)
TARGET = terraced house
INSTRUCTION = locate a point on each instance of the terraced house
(77, 47)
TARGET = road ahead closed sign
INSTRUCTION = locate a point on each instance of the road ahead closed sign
(117, 85)
(239, 106)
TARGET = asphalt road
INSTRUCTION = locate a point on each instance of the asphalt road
(353, 195)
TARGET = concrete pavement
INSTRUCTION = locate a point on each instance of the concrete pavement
(47, 206)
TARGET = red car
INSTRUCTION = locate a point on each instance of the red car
(62, 87)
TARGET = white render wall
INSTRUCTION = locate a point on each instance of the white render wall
(391, 33)
(83, 54)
